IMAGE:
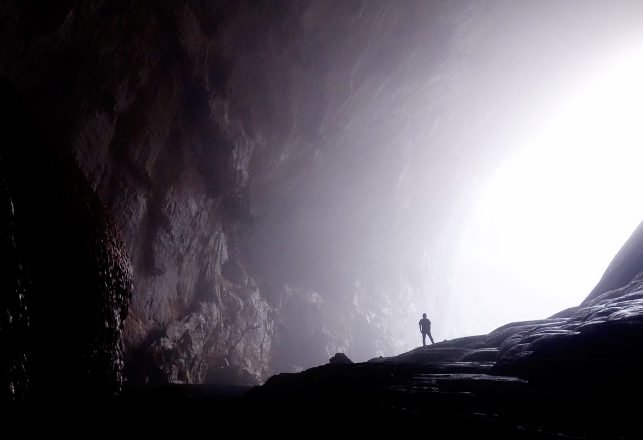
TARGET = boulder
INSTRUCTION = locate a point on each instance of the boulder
(340, 358)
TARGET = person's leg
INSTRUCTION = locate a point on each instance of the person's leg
(431, 338)
(423, 339)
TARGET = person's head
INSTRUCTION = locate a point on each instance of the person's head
(423, 315)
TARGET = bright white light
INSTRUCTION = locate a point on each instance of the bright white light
(553, 216)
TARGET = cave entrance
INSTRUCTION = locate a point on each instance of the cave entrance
(555, 213)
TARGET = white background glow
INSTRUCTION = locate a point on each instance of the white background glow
(549, 221)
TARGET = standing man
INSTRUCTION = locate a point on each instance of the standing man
(425, 329)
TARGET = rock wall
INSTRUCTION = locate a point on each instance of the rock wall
(275, 168)
(66, 277)
(207, 128)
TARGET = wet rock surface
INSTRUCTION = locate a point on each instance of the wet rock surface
(66, 277)
(14, 321)
(576, 376)
(441, 400)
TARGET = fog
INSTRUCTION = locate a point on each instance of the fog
(552, 215)
(479, 166)
(540, 225)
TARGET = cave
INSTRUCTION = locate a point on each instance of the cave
(245, 207)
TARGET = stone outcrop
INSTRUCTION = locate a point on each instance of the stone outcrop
(340, 358)
(66, 277)
(592, 342)
(573, 375)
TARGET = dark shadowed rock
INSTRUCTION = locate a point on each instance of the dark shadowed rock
(564, 377)
(569, 376)
(14, 318)
(340, 358)
(66, 279)
(481, 355)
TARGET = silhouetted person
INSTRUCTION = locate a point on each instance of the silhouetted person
(425, 329)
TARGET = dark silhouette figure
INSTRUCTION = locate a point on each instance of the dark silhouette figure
(425, 329)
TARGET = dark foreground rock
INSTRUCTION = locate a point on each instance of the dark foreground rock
(65, 280)
(559, 378)
(340, 358)
(438, 401)
(574, 375)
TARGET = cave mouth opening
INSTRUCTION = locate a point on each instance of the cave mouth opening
(241, 190)
(551, 217)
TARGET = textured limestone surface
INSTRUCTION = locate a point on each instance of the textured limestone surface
(275, 170)
(66, 276)
(222, 137)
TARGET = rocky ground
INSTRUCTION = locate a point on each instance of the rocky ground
(574, 375)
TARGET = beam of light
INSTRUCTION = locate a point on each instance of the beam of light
(550, 220)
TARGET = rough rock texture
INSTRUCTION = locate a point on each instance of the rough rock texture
(66, 278)
(222, 136)
(14, 322)
(574, 375)
(592, 342)
(340, 358)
